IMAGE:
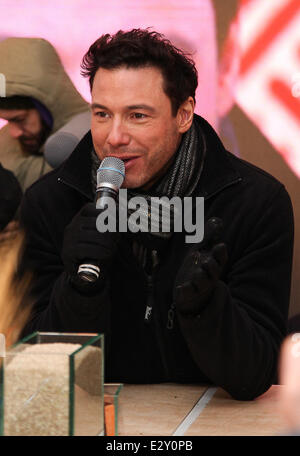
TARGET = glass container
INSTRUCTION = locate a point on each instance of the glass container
(111, 407)
(51, 384)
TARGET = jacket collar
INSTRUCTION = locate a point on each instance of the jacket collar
(76, 171)
(218, 170)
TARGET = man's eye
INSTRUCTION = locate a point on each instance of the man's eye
(139, 115)
(101, 114)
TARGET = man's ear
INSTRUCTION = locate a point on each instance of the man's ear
(185, 115)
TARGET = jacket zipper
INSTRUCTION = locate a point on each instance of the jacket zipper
(150, 315)
(150, 300)
(171, 315)
(150, 286)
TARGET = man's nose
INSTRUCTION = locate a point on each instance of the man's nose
(15, 130)
(118, 135)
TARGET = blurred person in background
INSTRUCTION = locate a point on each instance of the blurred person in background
(289, 393)
(39, 99)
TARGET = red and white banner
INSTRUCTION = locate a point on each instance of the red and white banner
(268, 87)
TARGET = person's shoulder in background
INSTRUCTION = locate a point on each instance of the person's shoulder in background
(10, 196)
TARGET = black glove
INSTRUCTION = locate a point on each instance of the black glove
(83, 243)
(201, 269)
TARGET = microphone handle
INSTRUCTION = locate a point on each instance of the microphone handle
(103, 194)
(90, 272)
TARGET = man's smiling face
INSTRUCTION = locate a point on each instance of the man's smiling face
(132, 120)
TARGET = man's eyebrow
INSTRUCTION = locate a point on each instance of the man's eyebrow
(131, 107)
(142, 106)
(97, 105)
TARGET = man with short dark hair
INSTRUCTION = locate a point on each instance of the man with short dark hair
(39, 99)
(214, 311)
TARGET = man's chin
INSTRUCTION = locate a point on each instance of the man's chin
(131, 182)
(137, 184)
(31, 149)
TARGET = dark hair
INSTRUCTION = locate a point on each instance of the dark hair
(141, 48)
(16, 102)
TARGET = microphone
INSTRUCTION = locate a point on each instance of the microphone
(110, 176)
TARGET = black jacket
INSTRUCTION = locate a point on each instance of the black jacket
(235, 339)
(10, 196)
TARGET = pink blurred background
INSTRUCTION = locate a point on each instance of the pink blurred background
(72, 26)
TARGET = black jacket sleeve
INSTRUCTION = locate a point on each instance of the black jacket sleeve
(235, 339)
(57, 306)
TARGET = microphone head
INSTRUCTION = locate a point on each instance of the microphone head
(111, 173)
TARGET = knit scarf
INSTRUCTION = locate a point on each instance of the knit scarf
(181, 179)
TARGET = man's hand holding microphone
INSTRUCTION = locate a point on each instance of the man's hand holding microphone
(88, 253)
